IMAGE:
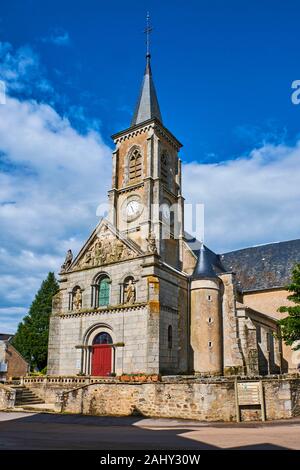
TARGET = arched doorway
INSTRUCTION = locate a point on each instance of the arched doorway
(102, 354)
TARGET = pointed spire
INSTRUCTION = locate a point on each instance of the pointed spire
(147, 106)
(204, 268)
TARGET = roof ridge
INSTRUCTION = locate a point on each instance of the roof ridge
(260, 245)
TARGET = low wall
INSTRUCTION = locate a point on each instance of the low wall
(200, 399)
(7, 397)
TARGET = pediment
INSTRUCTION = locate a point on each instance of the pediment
(105, 245)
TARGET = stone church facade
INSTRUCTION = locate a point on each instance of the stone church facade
(142, 296)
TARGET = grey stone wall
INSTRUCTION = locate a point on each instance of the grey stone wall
(205, 399)
(168, 353)
(141, 328)
(173, 312)
(126, 326)
(232, 353)
(189, 401)
(7, 397)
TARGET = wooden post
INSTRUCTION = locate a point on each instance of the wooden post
(237, 406)
(262, 401)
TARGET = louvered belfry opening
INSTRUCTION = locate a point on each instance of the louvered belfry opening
(135, 166)
(164, 167)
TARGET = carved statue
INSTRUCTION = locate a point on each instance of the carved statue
(56, 301)
(77, 301)
(108, 251)
(68, 261)
(152, 248)
(88, 257)
(98, 256)
(119, 248)
(130, 293)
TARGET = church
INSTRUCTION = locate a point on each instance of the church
(144, 297)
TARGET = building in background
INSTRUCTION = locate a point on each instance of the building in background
(12, 364)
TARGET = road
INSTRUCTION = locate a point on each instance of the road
(53, 431)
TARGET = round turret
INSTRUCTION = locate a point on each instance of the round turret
(206, 319)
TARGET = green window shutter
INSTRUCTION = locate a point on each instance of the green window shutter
(103, 292)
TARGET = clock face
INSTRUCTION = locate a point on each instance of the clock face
(133, 209)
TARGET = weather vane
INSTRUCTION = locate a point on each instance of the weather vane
(148, 31)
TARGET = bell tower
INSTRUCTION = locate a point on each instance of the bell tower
(145, 197)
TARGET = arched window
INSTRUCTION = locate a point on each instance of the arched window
(164, 167)
(170, 337)
(102, 338)
(103, 291)
(172, 222)
(129, 290)
(135, 165)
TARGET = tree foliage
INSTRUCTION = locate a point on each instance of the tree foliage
(31, 339)
(290, 325)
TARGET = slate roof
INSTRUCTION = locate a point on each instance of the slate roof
(204, 268)
(257, 268)
(212, 258)
(147, 106)
(264, 266)
(5, 337)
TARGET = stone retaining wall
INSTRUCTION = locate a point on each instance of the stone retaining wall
(7, 397)
(210, 399)
(200, 401)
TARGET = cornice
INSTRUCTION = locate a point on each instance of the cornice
(102, 310)
(152, 124)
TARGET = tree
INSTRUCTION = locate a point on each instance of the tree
(31, 339)
(290, 325)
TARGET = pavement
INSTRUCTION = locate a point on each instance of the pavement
(28, 430)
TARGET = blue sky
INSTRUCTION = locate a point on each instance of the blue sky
(211, 59)
(223, 73)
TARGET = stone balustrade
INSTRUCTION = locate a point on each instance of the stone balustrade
(64, 380)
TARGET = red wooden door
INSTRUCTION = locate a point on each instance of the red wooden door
(101, 359)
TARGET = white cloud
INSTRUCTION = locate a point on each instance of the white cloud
(61, 185)
(251, 200)
(58, 36)
(52, 179)
(10, 317)
(21, 70)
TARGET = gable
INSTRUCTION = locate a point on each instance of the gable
(105, 246)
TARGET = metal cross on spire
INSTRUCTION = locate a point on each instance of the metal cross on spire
(148, 31)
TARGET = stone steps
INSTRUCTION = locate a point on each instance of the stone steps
(37, 408)
(25, 396)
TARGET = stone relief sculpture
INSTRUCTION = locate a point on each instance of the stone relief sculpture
(88, 258)
(130, 293)
(77, 300)
(98, 252)
(152, 248)
(105, 250)
(68, 261)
